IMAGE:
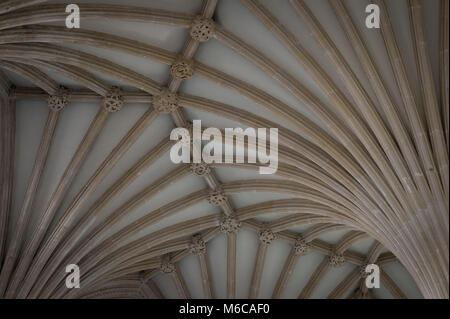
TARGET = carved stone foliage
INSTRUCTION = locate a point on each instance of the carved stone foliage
(182, 68)
(336, 259)
(267, 236)
(217, 197)
(202, 29)
(347, 170)
(301, 247)
(200, 169)
(59, 100)
(166, 265)
(113, 101)
(166, 101)
(362, 271)
(198, 245)
(230, 225)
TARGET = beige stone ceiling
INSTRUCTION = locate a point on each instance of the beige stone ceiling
(86, 176)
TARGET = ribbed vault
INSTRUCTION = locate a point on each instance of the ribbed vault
(362, 117)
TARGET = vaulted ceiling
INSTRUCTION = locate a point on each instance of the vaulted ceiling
(86, 177)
